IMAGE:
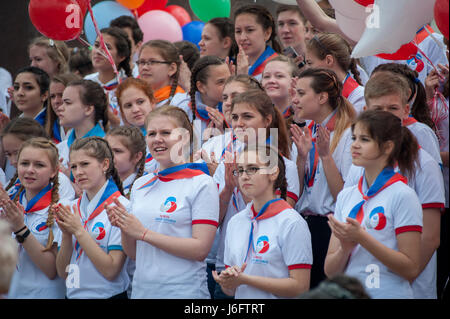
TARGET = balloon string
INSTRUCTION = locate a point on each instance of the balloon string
(441, 77)
(87, 44)
(102, 43)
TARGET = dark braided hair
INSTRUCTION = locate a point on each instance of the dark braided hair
(200, 72)
(132, 138)
(419, 109)
(92, 93)
(99, 149)
(123, 46)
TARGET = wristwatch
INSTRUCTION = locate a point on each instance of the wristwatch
(21, 238)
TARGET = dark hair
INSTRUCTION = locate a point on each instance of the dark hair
(42, 78)
(99, 149)
(123, 46)
(264, 18)
(91, 93)
(64, 79)
(291, 8)
(419, 109)
(323, 44)
(189, 51)
(129, 22)
(338, 287)
(225, 26)
(263, 104)
(383, 126)
(80, 61)
(200, 72)
(325, 80)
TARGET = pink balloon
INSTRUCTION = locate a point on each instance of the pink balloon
(160, 25)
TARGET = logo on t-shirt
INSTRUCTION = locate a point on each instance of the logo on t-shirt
(262, 244)
(377, 219)
(416, 63)
(98, 231)
(169, 206)
(41, 227)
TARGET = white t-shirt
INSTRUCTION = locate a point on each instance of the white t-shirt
(426, 139)
(392, 211)
(429, 187)
(172, 208)
(282, 243)
(92, 284)
(29, 282)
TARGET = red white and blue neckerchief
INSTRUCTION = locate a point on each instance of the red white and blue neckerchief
(42, 116)
(386, 178)
(184, 171)
(313, 154)
(56, 132)
(231, 147)
(109, 195)
(288, 112)
(259, 65)
(270, 209)
(42, 200)
(349, 85)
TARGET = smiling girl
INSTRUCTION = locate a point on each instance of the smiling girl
(173, 215)
(32, 220)
(254, 29)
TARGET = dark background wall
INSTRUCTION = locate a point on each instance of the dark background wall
(16, 29)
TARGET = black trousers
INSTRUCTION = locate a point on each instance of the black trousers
(320, 238)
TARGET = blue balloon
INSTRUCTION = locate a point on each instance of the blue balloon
(104, 13)
(192, 32)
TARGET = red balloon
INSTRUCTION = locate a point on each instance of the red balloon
(56, 19)
(179, 13)
(406, 52)
(151, 5)
(441, 16)
(365, 3)
(84, 4)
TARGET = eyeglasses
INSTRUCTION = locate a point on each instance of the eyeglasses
(150, 62)
(249, 171)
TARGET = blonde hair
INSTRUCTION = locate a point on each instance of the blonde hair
(57, 51)
(383, 83)
(53, 156)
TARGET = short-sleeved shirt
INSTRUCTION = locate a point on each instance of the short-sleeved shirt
(282, 243)
(172, 208)
(394, 210)
(92, 284)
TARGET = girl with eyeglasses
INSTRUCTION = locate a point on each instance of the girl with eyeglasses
(159, 66)
(268, 245)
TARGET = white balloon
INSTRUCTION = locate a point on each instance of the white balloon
(352, 28)
(349, 8)
(398, 20)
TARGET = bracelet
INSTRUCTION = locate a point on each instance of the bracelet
(16, 232)
(143, 236)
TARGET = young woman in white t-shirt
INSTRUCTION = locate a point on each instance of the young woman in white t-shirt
(376, 229)
(31, 216)
(268, 245)
(169, 228)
